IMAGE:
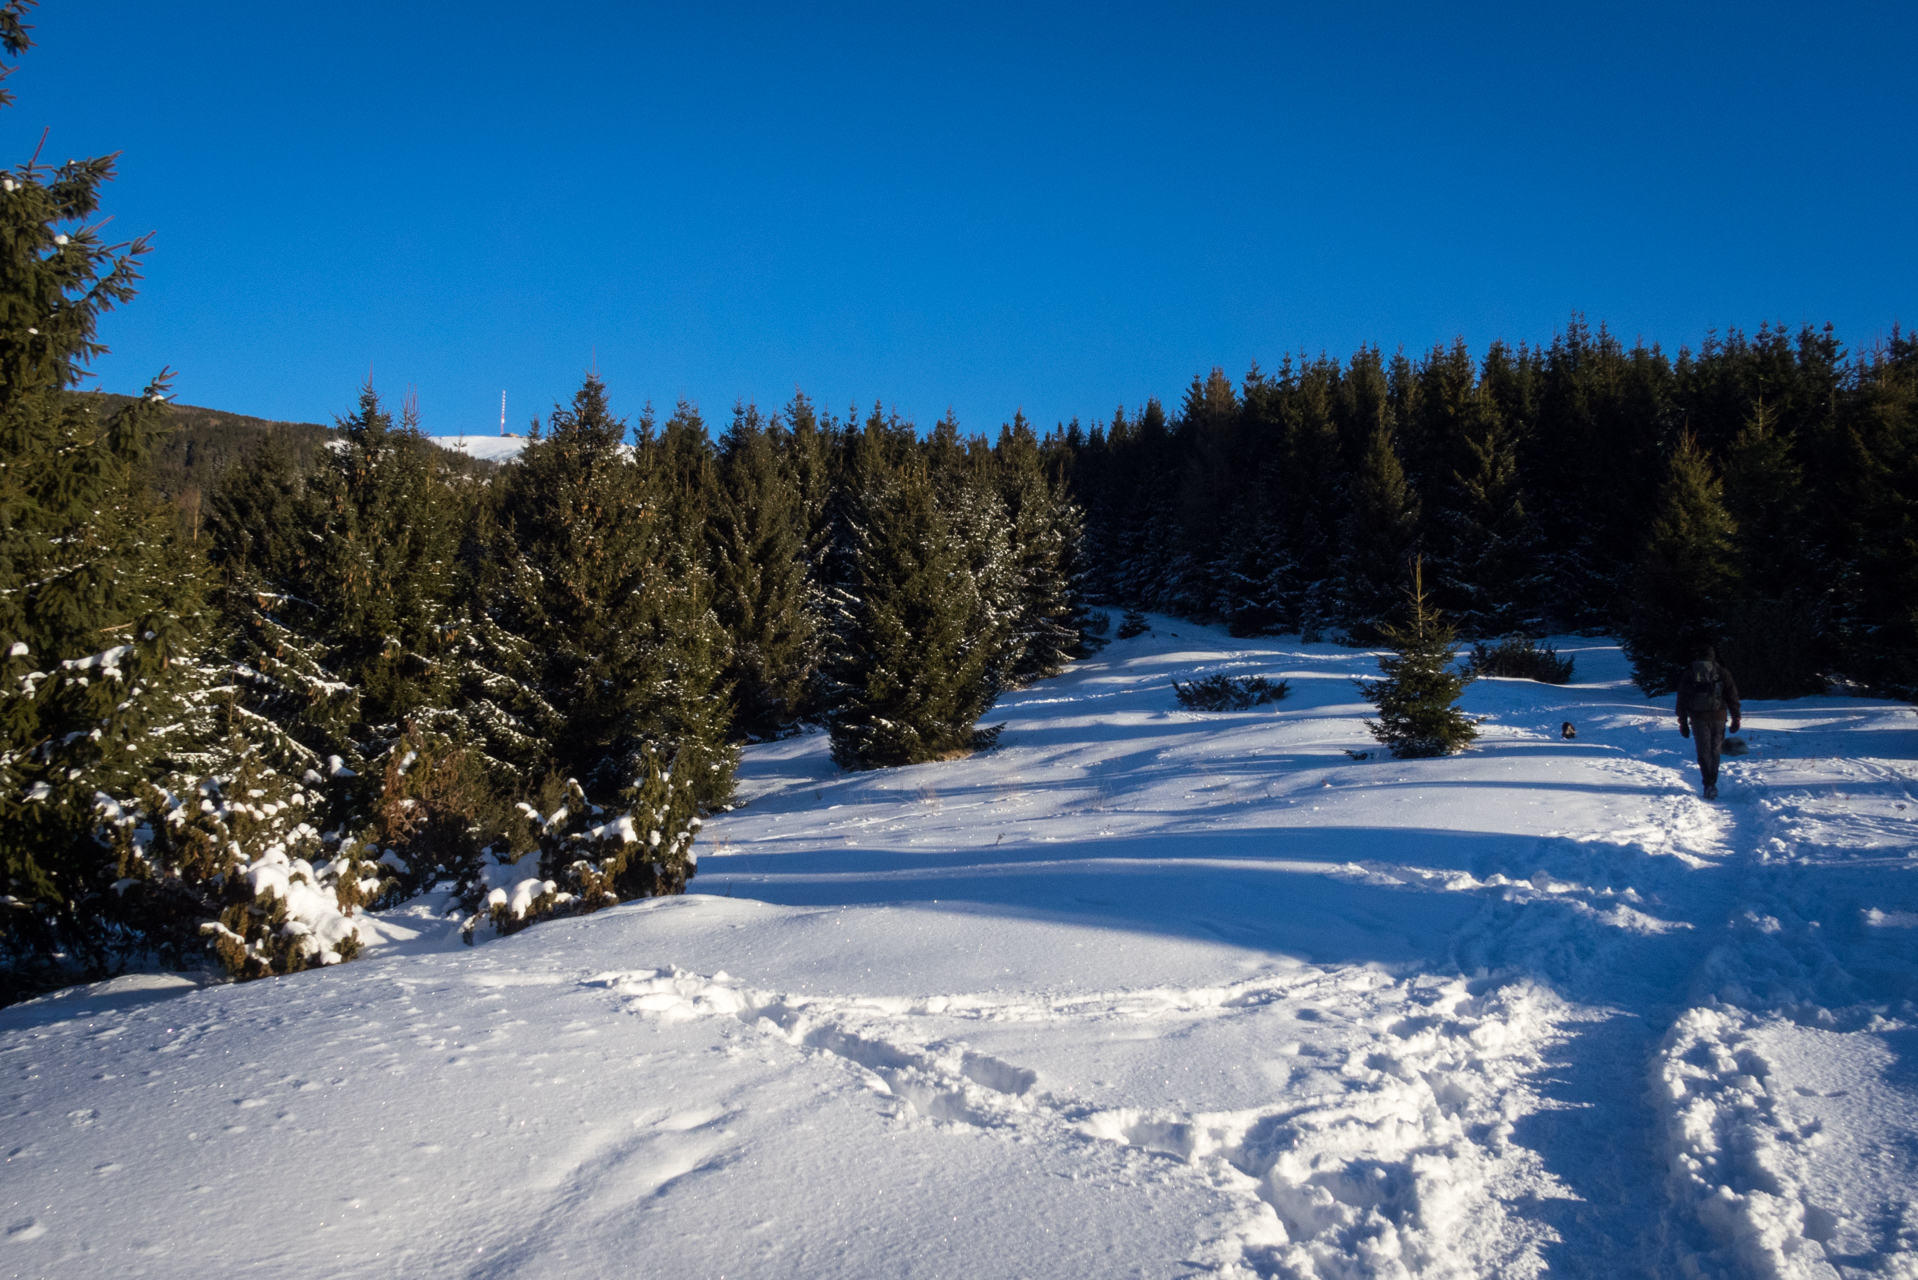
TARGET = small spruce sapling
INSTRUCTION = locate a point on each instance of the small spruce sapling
(1522, 658)
(437, 806)
(1220, 692)
(647, 852)
(1418, 698)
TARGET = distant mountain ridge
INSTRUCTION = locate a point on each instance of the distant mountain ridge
(205, 442)
(202, 443)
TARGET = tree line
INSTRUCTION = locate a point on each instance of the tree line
(1760, 492)
(239, 711)
(373, 671)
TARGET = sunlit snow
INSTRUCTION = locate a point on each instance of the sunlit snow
(1142, 992)
(491, 448)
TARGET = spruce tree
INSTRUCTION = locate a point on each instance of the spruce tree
(1155, 567)
(1594, 469)
(1313, 494)
(381, 523)
(1686, 572)
(970, 507)
(604, 619)
(589, 856)
(167, 803)
(1773, 623)
(810, 454)
(1210, 480)
(1044, 531)
(1380, 534)
(909, 684)
(1874, 477)
(100, 599)
(762, 593)
(238, 852)
(681, 472)
(501, 693)
(1101, 485)
(1491, 567)
(341, 642)
(1418, 696)
(1442, 409)
(339, 616)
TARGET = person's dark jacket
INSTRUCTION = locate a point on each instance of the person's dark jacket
(1687, 688)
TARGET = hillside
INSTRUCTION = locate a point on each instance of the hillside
(200, 444)
(1140, 992)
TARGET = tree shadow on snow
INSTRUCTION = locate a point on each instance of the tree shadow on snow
(1304, 892)
(1309, 894)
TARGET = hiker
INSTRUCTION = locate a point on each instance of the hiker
(1706, 695)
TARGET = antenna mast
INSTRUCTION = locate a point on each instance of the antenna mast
(502, 413)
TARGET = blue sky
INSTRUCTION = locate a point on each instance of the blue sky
(985, 208)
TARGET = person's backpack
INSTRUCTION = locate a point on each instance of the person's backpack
(1708, 687)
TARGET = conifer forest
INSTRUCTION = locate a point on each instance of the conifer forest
(356, 665)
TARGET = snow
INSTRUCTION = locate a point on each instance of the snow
(1140, 992)
(107, 661)
(491, 448)
(312, 913)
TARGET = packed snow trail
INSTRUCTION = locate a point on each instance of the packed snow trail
(1142, 992)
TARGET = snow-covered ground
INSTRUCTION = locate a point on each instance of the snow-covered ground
(491, 448)
(1140, 993)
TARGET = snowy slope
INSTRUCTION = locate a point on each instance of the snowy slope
(492, 448)
(1142, 992)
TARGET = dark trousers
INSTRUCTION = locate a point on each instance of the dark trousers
(1708, 731)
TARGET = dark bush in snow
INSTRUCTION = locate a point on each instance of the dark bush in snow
(1519, 657)
(236, 859)
(1221, 692)
(589, 857)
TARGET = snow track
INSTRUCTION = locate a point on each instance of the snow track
(1774, 1135)
(1142, 992)
(1790, 1137)
(1385, 1150)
